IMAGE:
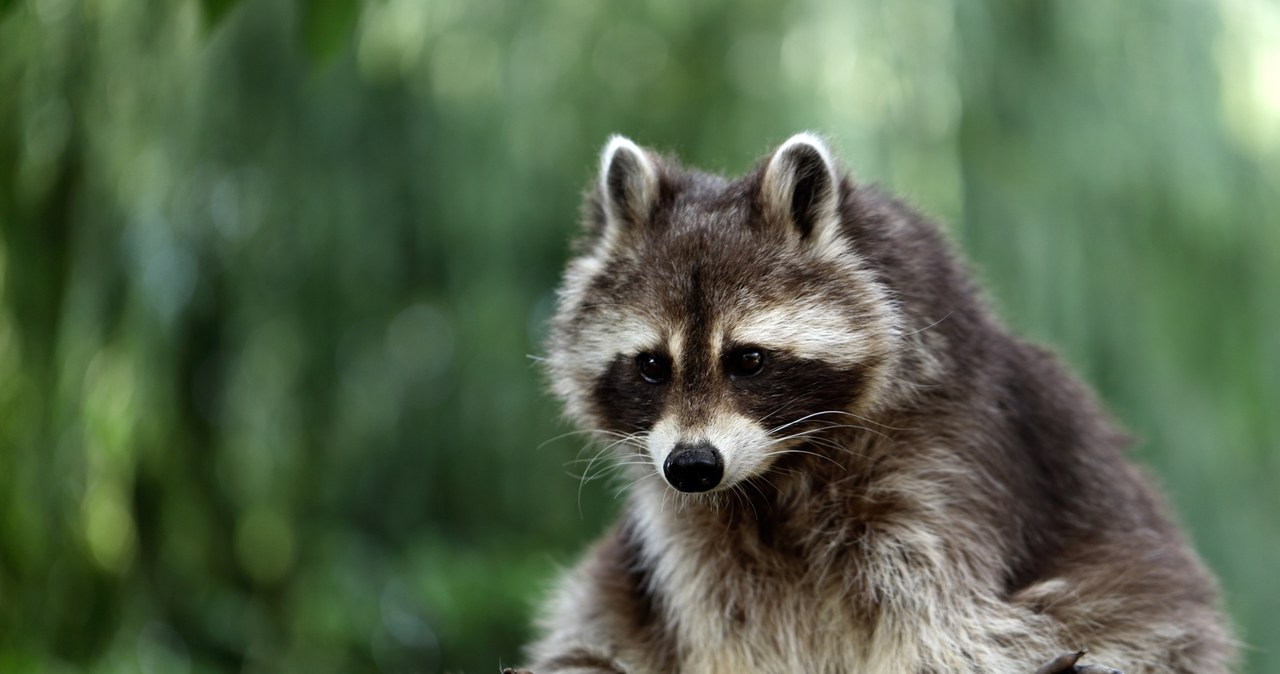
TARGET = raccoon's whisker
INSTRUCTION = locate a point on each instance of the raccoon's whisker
(590, 461)
(917, 331)
(781, 407)
(625, 459)
(834, 446)
(831, 426)
(582, 480)
(592, 478)
(608, 467)
(728, 521)
(598, 475)
(827, 442)
(589, 431)
(587, 460)
(550, 440)
(857, 427)
(807, 431)
(805, 418)
(757, 487)
(788, 472)
(604, 449)
(819, 441)
(811, 431)
(738, 499)
(587, 470)
(765, 478)
(632, 484)
(640, 435)
(780, 452)
(909, 383)
(615, 443)
(872, 421)
(744, 497)
(843, 412)
(594, 457)
(796, 421)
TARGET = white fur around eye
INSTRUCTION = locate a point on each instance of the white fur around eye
(805, 329)
(618, 334)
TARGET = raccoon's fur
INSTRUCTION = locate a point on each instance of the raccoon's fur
(881, 478)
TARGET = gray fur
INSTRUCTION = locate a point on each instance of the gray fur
(908, 487)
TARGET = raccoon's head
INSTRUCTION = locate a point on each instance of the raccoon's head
(714, 325)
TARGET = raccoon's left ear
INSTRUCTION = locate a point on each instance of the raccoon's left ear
(628, 186)
(801, 186)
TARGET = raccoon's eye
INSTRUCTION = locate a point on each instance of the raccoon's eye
(745, 362)
(653, 368)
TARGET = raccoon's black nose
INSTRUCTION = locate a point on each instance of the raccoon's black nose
(694, 468)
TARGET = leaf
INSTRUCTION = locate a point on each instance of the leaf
(327, 26)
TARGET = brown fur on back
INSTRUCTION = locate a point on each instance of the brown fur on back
(908, 487)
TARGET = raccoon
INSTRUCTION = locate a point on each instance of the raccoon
(840, 460)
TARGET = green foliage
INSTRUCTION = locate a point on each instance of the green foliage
(215, 10)
(271, 271)
(326, 26)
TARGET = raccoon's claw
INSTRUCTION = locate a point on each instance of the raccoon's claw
(1066, 664)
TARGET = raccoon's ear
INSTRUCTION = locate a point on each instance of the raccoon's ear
(801, 186)
(628, 186)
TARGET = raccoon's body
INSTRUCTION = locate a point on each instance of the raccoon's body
(842, 462)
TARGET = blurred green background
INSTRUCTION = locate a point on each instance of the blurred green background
(271, 273)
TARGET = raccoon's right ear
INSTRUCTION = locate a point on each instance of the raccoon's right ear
(628, 186)
(801, 187)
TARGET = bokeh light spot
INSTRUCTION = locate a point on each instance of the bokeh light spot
(391, 38)
(108, 527)
(161, 650)
(420, 340)
(264, 544)
(628, 57)
(465, 67)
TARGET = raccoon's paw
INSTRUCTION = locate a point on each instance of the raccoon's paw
(1067, 664)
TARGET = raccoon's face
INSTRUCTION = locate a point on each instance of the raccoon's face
(714, 326)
